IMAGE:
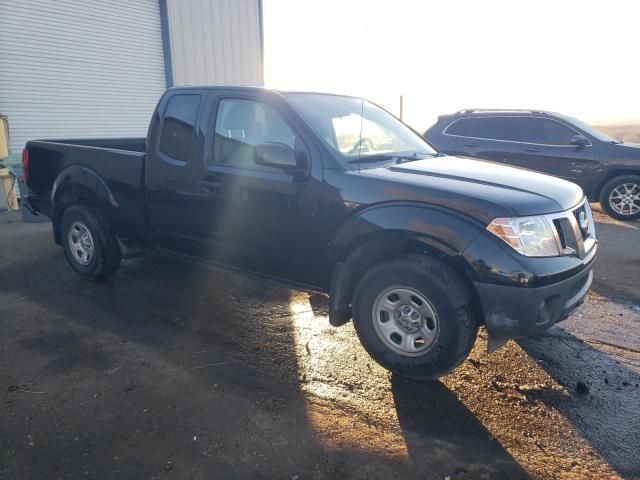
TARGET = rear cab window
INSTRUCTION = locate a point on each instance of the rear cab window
(178, 126)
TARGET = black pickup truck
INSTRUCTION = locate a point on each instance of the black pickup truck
(330, 194)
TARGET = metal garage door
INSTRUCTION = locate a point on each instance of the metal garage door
(79, 68)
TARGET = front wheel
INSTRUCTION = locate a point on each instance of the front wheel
(620, 197)
(90, 247)
(413, 315)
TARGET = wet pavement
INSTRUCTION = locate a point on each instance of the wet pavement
(172, 370)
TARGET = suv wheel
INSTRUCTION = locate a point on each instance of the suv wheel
(620, 197)
(89, 246)
(413, 316)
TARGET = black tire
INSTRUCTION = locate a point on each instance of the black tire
(106, 256)
(605, 193)
(446, 293)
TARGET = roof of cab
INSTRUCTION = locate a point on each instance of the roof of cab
(252, 88)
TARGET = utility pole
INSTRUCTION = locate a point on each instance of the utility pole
(401, 108)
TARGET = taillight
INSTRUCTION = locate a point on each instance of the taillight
(25, 164)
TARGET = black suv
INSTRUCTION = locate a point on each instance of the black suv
(607, 170)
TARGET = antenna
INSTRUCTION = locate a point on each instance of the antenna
(360, 139)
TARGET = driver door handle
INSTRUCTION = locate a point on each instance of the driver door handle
(533, 150)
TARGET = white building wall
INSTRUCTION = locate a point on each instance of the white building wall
(79, 68)
(216, 42)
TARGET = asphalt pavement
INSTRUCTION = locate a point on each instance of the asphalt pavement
(171, 370)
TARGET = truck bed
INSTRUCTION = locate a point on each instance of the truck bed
(112, 164)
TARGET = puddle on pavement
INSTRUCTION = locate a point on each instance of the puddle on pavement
(507, 392)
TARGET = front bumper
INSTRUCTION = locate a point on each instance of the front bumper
(514, 312)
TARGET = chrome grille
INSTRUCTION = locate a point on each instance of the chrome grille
(574, 230)
(583, 220)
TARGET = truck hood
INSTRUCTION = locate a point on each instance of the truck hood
(483, 190)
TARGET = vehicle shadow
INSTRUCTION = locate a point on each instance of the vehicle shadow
(604, 394)
(432, 418)
(197, 371)
(441, 436)
(616, 270)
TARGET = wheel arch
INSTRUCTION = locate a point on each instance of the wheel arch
(610, 175)
(79, 185)
(384, 232)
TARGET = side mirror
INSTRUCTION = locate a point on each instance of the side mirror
(579, 140)
(277, 155)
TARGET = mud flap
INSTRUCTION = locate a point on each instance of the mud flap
(340, 296)
(130, 250)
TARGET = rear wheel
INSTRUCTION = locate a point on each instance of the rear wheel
(91, 249)
(620, 197)
(413, 315)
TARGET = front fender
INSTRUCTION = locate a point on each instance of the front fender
(446, 231)
(381, 232)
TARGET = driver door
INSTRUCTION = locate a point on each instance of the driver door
(255, 217)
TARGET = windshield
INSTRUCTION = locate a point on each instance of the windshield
(603, 137)
(359, 130)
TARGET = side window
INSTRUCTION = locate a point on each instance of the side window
(549, 132)
(243, 124)
(463, 127)
(178, 125)
(500, 128)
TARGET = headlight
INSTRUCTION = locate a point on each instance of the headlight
(530, 236)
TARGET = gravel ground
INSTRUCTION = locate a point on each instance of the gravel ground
(172, 370)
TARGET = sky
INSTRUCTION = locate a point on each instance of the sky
(580, 58)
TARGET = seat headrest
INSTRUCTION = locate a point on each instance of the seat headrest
(241, 116)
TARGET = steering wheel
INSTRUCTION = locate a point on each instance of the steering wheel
(364, 144)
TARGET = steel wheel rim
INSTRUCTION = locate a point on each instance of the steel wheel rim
(625, 199)
(405, 320)
(81, 243)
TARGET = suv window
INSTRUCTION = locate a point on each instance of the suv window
(548, 132)
(243, 124)
(490, 128)
(178, 126)
(463, 127)
(500, 128)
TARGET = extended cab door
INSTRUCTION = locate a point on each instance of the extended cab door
(171, 193)
(256, 217)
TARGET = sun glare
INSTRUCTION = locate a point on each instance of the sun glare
(575, 57)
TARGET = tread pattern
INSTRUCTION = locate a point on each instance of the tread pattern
(459, 297)
(108, 256)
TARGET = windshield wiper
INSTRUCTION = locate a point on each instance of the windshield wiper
(416, 156)
(372, 158)
(398, 157)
